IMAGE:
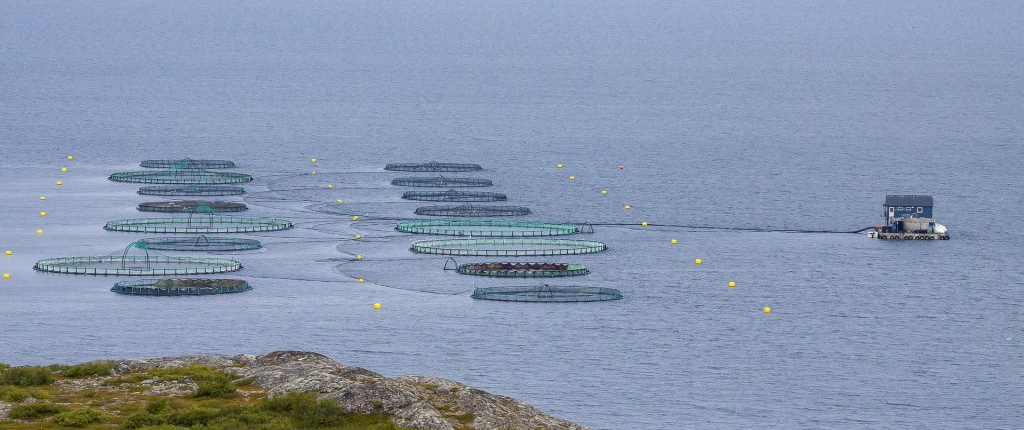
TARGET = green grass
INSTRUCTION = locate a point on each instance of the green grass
(465, 419)
(293, 411)
(11, 394)
(220, 402)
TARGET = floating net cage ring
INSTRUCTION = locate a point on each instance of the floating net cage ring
(547, 294)
(181, 287)
(486, 228)
(200, 243)
(148, 265)
(192, 190)
(523, 270)
(199, 224)
(468, 210)
(454, 196)
(441, 181)
(185, 206)
(188, 163)
(502, 247)
(432, 166)
(180, 176)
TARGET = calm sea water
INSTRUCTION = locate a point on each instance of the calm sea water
(765, 114)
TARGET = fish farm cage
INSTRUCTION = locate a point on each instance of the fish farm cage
(148, 265)
(201, 243)
(500, 247)
(432, 166)
(187, 206)
(523, 270)
(199, 224)
(181, 177)
(137, 265)
(188, 163)
(454, 196)
(192, 190)
(441, 181)
(547, 294)
(468, 210)
(181, 287)
(486, 228)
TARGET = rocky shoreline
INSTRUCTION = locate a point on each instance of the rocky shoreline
(414, 402)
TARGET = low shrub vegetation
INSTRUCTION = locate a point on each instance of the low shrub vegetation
(26, 376)
(77, 418)
(30, 411)
(86, 370)
(220, 402)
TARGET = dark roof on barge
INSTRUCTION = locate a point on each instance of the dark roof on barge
(908, 200)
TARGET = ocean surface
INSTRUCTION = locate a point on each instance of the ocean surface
(754, 114)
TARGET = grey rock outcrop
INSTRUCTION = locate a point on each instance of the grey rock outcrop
(418, 402)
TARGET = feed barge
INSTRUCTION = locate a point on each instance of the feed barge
(909, 217)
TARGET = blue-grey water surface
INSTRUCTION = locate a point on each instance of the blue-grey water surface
(762, 114)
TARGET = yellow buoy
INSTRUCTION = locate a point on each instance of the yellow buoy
(628, 207)
(604, 191)
(359, 236)
(559, 165)
(63, 169)
(39, 232)
(59, 183)
(330, 185)
(732, 284)
(70, 157)
(376, 305)
(572, 178)
(42, 197)
(355, 217)
(359, 256)
(767, 310)
(675, 241)
(8, 253)
(313, 160)
(313, 173)
(698, 261)
(339, 201)
(644, 223)
(361, 280)
(7, 276)
(42, 213)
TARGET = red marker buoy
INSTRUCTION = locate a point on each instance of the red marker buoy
(621, 167)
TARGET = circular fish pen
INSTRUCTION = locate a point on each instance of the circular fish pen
(202, 224)
(186, 206)
(201, 243)
(180, 176)
(441, 182)
(454, 196)
(192, 190)
(188, 163)
(547, 294)
(181, 287)
(473, 211)
(523, 270)
(432, 166)
(495, 247)
(147, 265)
(486, 228)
